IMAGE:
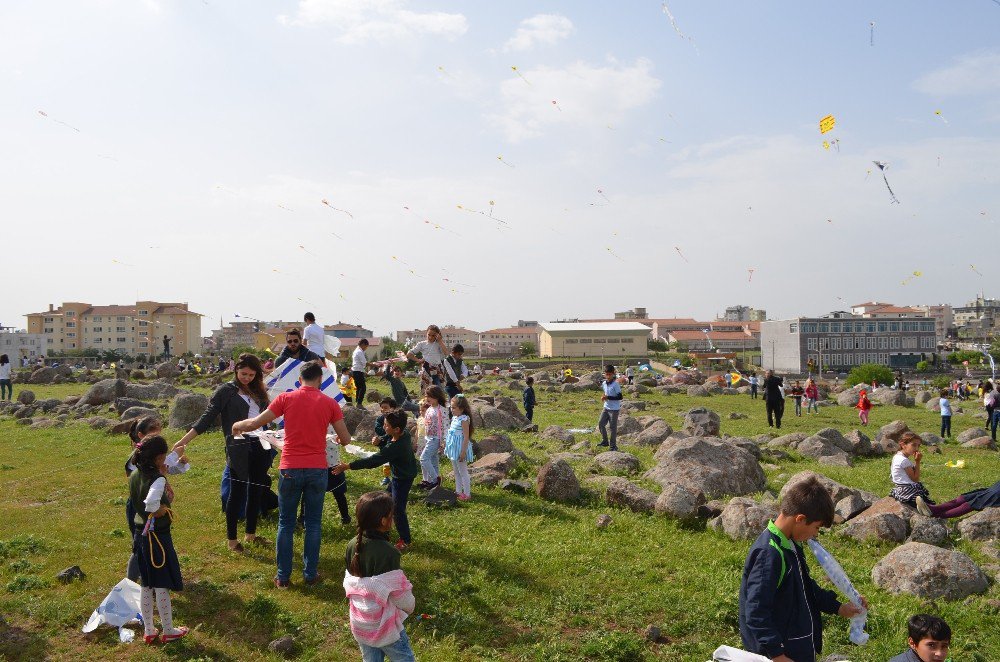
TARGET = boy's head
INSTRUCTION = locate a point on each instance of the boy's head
(930, 637)
(609, 371)
(457, 351)
(944, 393)
(311, 373)
(387, 405)
(529, 381)
(363, 343)
(807, 506)
(395, 423)
(309, 318)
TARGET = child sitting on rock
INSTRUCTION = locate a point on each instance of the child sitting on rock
(905, 472)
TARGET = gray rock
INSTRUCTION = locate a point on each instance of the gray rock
(138, 412)
(837, 460)
(46, 423)
(837, 491)
(556, 481)
(787, 440)
(508, 406)
(580, 446)
(707, 465)
(104, 392)
(969, 435)
(749, 445)
(441, 496)
(889, 434)
(71, 573)
(125, 403)
(923, 397)
(931, 439)
(737, 415)
(850, 506)
(653, 435)
(603, 521)
(158, 390)
(503, 463)
(698, 391)
(652, 634)
(984, 442)
(858, 443)
(494, 443)
(680, 502)
(883, 526)
(930, 530)
(819, 447)
(744, 519)
(100, 423)
(702, 422)
(48, 404)
(625, 494)
(558, 433)
(26, 397)
(929, 572)
(933, 405)
(485, 416)
(283, 646)
(849, 398)
(984, 525)
(167, 369)
(617, 462)
(187, 409)
(890, 396)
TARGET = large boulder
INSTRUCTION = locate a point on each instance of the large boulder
(702, 422)
(167, 369)
(494, 443)
(556, 481)
(707, 465)
(688, 377)
(889, 434)
(929, 572)
(787, 440)
(836, 490)
(628, 425)
(984, 525)
(44, 375)
(26, 397)
(625, 494)
(930, 530)
(923, 397)
(969, 435)
(849, 507)
(353, 417)
(187, 409)
(744, 519)
(826, 445)
(859, 444)
(617, 462)
(653, 435)
(849, 397)
(104, 392)
(138, 412)
(884, 526)
(983, 442)
(679, 501)
(890, 506)
(890, 396)
(508, 406)
(486, 416)
(698, 391)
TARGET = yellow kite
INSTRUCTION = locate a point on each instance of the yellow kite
(826, 124)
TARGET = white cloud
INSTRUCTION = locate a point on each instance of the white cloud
(375, 20)
(544, 29)
(584, 95)
(971, 74)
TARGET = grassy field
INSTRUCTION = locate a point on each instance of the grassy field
(506, 576)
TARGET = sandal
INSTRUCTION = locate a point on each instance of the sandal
(151, 639)
(167, 638)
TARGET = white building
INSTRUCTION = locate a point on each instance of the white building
(20, 344)
(610, 340)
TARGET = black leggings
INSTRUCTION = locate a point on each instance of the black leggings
(360, 385)
(248, 465)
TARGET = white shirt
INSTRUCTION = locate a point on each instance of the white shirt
(431, 351)
(154, 495)
(5, 371)
(313, 337)
(900, 463)
(253, 409)
(358, 360)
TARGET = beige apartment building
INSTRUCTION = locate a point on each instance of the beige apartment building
(452, 335)
(135, 330)
(506, 341)
(610, 340)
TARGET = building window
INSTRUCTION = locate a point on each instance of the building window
(834, 327)
(71, 335)
(612, 341)
(894, 342)
(870, 327)
(144, 344)
(144, 333)
(894, 326)
(121, 318)
(71, 325)
(628, 341)
(120, 339)
(809, 327)
(98, 329)
(96, 318)
(883, 342)
(97, 340)
(120, 329)
(143, 323)
(571, 341)
(585, 340)
(835, 343)
(49, 319)
(793, 327)
(48, 329)
(870, 342)
(824, 327)
(811, 344)
(883, 358)
(143, 312)
(70, 313)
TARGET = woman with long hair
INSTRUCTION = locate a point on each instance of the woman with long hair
(244, 397)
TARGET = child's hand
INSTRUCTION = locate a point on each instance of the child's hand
(849, 609)
(183, 459)
(339, 469)
(917, 457)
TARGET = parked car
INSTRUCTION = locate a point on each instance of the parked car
(517, 366)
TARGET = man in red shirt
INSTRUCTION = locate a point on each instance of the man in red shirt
(302, 473)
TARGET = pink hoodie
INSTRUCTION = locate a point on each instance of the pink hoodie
(379, 605)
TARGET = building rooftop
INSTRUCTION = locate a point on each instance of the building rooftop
(713, 335)
(569, 327)
(513, 329)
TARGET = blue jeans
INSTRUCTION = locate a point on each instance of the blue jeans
(993, 423)
(397, 651)
(310, 486)
(400, 490)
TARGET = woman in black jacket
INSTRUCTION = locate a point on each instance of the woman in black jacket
(244, 397)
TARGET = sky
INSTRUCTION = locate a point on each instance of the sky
(488, 162)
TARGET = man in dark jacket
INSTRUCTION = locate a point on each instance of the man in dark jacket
(780, 603)
(774, 399)
(294, 349)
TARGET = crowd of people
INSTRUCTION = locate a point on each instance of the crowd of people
(779, 603)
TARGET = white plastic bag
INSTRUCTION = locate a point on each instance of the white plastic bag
(730, 654)
(123, 605)
(856, 631)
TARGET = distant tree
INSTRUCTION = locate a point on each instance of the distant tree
(866, 373)
(657, 345)
(527, 349)
(390, 347)
(923, 366)
(247, 349)
(970, 355)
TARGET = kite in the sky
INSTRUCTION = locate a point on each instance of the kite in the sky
(482, 213)
(826, 145)
(750, 270)
(431, 223)
(122, 263)
(601, 193)
(442, 70)
(342, 211)
(514, 69)
(881, 165)
(827, 123)
(307, 250)
(556, 104)
(613, 254)
(455, 282)
(285, 208)
(871, 35)
(678, 249)
(673, 22)
(974, 269)
(940, 116)
(46, 115)
(500, 159)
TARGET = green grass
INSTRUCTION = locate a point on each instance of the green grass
(507, 577)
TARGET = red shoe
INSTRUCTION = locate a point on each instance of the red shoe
(167, 638)
(402, 546)
(151, 638)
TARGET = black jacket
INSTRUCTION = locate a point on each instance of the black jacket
(304, 355)
(780, 603)
(227, 404)
(771, 386)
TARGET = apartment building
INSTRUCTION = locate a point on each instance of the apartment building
(744, 314)
(842, 341)
(507, 341)
(135, 329)
(19, 344)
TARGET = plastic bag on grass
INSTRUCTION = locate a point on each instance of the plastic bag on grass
(120, 607)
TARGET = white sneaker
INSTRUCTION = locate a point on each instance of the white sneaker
(923, 508)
